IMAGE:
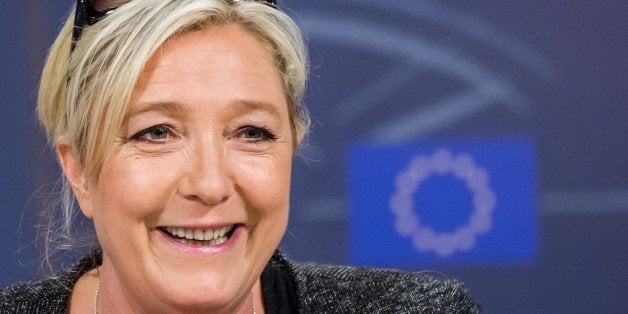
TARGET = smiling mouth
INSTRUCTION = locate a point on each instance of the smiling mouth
(201, 237)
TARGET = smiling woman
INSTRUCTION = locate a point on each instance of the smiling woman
(175, 123)
(212, 170)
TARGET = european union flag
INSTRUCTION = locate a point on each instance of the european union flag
(459, 201)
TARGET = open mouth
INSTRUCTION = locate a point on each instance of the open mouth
(201, 237)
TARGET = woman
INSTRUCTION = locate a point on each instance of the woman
(175, 123)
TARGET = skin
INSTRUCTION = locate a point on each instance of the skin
(206, 142)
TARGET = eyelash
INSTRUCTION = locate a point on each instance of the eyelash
(139, 136)
(266, 134)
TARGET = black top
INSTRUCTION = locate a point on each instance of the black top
(279, 289)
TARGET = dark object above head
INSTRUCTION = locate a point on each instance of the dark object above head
(89, 12)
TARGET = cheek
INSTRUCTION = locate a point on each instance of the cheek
(133, 187)
(267, 183)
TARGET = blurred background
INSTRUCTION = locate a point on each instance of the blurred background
(480, 140)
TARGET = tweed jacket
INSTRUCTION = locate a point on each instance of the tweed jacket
(320, 289)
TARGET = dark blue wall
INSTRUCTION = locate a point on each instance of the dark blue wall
(407, 70)
(24, 38)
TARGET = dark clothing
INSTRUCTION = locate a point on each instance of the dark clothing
(288, 287)
(278, 287)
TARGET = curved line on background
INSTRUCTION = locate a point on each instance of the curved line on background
(410, 48)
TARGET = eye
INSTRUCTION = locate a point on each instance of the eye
(155, 134)
(256, 134)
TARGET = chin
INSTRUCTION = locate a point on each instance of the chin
(203, 299)
(199, 289)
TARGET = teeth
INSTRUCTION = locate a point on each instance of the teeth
(208, 234)
(212, 236)
(199, 234)
(220, 232)
(220, 240)
(189, 234)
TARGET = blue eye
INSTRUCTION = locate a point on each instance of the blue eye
(256, 134)
(157, 133)
(154, 134)
(253, 133)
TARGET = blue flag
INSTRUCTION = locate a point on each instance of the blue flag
(458, 202)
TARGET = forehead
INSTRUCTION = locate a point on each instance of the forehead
(212, 64)
(214, 42)
(217, 46)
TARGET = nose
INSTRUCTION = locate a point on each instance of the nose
(208, 177)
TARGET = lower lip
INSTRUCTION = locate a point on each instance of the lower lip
(200, 249)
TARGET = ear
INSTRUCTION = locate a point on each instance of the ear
(73, 172)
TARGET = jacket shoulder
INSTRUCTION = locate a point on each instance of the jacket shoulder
(354, 289)
(45, 296)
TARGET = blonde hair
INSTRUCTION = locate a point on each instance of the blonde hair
(84, 93)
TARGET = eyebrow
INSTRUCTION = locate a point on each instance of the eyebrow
(237, 107)
(245, 106)
(155, 106)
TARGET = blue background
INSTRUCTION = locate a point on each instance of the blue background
(400, 71)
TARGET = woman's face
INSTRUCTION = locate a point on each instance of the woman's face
(193, 198)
